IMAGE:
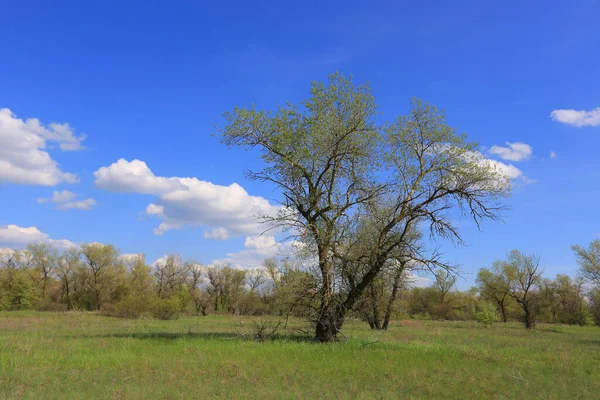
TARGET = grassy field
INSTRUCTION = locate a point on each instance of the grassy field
(85, 356)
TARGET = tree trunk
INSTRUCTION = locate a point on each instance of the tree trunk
(68, 295)
(376, 323)
(503, 310)
(328, 324)
(388, 311)
(331, 317)
(529, 323)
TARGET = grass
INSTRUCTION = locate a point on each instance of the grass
(86, 356)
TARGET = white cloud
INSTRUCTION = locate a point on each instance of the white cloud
(62, 197)
(23, 155)
(513, 152)
(552, 154)
(217, 233)
(577, 118)
(506, 172)
(86, 204)
(256, 249)
(65, 200)
(224, 211)
(415, 280)
(14, 236)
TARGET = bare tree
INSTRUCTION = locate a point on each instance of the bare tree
(169, 273)
(195, 272)
(256, 278)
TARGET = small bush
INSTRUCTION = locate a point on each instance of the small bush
(166, 309)
(487, 314)
(131, 307)
(107, 309)
(421, 315)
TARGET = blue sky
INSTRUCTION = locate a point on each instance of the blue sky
(148, 81)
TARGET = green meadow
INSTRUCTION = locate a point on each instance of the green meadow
(87, 356)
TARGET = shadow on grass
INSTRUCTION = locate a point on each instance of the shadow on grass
(294, 337)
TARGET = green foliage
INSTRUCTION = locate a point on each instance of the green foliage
(131, 307)
(166, 309)
(488, 313)
(589, 261)
(18, 291)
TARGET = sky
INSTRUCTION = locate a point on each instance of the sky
(108, 114)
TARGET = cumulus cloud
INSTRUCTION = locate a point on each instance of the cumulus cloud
(224, 211)
(23, 155)
(577, 118)
(14, 236)
(65, 200)
(256, 250)
(506, 172)
(512, 152)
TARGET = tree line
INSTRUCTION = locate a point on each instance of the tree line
(95, 277)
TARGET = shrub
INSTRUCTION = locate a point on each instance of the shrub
(166, 309)
(487, 314)
(131, 307)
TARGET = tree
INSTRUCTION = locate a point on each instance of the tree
(103, 266)
(256, 278)
(66, 268)
(589, 261)
(325, 156)
(43, 259)
(170, 273)
(570, 305)
(444, 282)
(594, 306)
(226, 285)
(524, 276)
(494, 286)
(195, 272)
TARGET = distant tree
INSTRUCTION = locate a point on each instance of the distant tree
(43, 260)
(195, 272)
(256, 278)
(570, 304)
(140, 281)
(227, 286)
(524, 276)
(170, 273)
(66, 269)
(589, 261)
(103, 266)
(594, 305)
(443, 283)
(494, 286)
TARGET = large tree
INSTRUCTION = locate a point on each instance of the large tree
(336, 166)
